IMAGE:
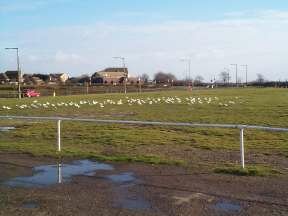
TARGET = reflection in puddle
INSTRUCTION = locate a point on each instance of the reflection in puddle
(125, 198)
(6, 129)
(52, 174)
(30, 205)
(47, 175)
(122, 178)
(228, 206)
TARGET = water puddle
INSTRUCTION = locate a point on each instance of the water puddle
(123, 183)
(228, 206)
(30, 205)
(133, 203)
(122, 178)
(6, 129)
(52, 174)
(126, 199)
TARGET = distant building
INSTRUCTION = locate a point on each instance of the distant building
(12, 76)
(4, 78)
(29, 79)
(81, 80)
(110, 76)
(58, 78)
(44, 77)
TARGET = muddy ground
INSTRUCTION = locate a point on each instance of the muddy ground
(153, 190)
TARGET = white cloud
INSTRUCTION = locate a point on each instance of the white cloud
(259, 41)
(258, 14)
(33, 58)
(274, 14)
(72, 58)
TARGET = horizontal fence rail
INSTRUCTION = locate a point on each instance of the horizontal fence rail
(241, 127)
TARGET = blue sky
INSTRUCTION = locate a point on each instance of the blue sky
(40, 13)
(83, 36)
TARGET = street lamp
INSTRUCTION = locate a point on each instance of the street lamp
(246, 67)
(188, 61)
(125, 71)
(18, 69)
(228, 75)
(236, 70)
(139, 83)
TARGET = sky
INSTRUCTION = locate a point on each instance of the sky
(82, 37)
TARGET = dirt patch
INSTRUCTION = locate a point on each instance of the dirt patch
(139, 189)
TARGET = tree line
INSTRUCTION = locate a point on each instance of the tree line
(224, 79)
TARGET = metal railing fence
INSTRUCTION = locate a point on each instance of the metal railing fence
(241, 127)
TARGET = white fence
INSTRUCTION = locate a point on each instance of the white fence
(239, 126)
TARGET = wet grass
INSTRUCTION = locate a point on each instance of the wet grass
(152, 144)
(248, 171)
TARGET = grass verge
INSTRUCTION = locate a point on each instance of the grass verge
(252, 170)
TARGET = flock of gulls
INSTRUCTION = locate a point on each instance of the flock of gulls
(127, 101)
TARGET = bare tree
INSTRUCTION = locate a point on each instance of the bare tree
(224, 77)
(145, 78)
(260, 78)
(198, 80)
(162, 77)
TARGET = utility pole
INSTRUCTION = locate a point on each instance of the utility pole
(246, 67)
(18, 70)
(125, 72)
(236, 70)
(228, 75)
(139, 83)
(188, 61)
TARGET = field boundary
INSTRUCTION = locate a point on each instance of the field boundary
(241, 127)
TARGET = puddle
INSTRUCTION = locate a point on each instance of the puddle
(228, 206)
(137, 203)
(52, 174)
(6, 129)
(122, 178)
(30, 205)
(125, 198)
(124, 183)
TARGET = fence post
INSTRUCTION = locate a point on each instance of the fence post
(242, 150)
(59, 173)
(59, 135)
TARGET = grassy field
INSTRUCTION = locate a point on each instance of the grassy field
(174, 145)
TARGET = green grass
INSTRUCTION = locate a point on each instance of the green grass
(154, 144)
(260, 106)
(248, 171)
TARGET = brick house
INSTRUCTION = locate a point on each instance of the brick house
(110, 76)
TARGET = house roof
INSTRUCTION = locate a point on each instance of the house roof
(12, 74)
(113, 70)
(3, 76)
(115, 73)
(37, 80)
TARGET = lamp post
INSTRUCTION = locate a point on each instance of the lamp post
(18, 70)
(246, 68)
(236, 70)
(139, 83)
(188, 61)
(125, 71)
(228, 75)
